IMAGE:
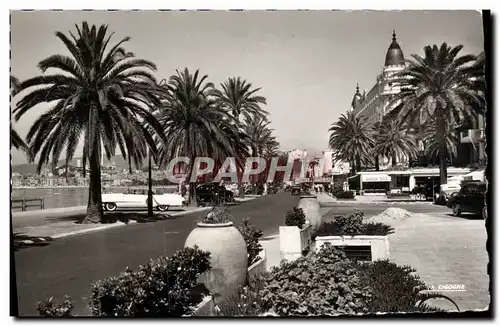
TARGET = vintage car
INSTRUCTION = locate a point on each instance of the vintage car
(139, 200)
(213, 194)
(470, 199)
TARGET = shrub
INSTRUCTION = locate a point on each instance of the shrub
(341, 194)
(295, 218)
(246, 303)
(49, 308)
(326, 283)
(350, 224)
(373, 228)
(396, 288)
(339, 227)
(251, 234)
(217, 215)
(164, 287)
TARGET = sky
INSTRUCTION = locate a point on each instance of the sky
(306, 62)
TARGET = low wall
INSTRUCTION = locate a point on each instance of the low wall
(294, 241)
(380, 247)
(259, 266)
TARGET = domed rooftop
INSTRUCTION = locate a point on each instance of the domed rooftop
(394, 56)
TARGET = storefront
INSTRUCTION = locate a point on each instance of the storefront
(370, 183)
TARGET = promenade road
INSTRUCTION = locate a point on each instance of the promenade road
(67, 266)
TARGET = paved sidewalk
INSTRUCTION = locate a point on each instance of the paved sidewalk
(446, 251)
(28, 234)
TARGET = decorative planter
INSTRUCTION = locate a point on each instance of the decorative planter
(310, 206)
(380, 247)
(259, 266)
(294, 241)
(228, 257)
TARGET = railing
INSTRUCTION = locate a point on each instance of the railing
(24, 203)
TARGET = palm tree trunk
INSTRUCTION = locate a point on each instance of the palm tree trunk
(394, 158)
(94, 206)
(358, 164)
(377, 163)
(441, 140)
(150, 187)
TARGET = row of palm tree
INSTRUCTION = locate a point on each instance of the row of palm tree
(114, 100)
(440, 92)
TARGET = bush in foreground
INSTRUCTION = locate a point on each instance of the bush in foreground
(295, 218)
(251, 234)
(164, 287)
(326, 283)
(49, 308)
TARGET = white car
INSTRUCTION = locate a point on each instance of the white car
(163, 202)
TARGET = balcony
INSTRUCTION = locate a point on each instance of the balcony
(472, 136)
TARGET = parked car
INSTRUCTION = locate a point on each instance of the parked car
(447, 191)
(470, 199)
(139, 200)
(213, 194)
(296, 190)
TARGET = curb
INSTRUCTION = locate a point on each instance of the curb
(99, 228)
(380, 202)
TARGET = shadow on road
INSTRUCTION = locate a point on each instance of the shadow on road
(22, 241)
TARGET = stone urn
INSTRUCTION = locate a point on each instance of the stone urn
(228, 257)
(310, 206)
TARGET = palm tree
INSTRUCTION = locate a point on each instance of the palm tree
(394, 140)
(192, 123)
(452, 140)
(238, 97)
(16, 141)
(441, 86)
(260, 136)
(99, 91)
(351, 140)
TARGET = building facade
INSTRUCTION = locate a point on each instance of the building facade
(375, 104)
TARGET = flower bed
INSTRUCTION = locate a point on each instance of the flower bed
(328, 283)
(349, 230)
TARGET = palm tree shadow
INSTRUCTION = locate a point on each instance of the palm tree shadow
(23, 241)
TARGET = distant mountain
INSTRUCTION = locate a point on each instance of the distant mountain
(119, 162)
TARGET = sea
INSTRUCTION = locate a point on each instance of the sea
(68, 197)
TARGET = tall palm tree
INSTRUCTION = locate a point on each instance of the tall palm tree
(16, 141)
(441, 86)
(237, 96)
(260, 136)
(99, 91)
(192, 123)
(394, 141)
(351, 140)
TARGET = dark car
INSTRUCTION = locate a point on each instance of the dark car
(470, 199)
(213, 194)
(296, 190)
